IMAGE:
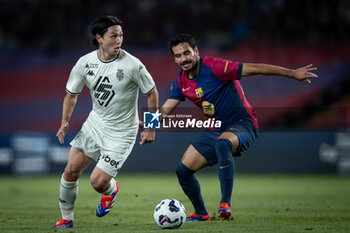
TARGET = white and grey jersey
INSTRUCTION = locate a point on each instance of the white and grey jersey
(114, 87)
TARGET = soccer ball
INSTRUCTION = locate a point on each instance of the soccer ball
(169, 214)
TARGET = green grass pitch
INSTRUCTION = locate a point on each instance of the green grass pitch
(260, 203)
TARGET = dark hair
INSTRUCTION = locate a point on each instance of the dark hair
(101, 25)
(181, 38)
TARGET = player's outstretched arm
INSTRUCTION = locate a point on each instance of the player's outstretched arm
(303, 74)
(68, 107)
(148, 135)
(169, 106)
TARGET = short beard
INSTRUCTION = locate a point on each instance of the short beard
(194, 67)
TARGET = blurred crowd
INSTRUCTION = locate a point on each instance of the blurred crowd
(53, 25)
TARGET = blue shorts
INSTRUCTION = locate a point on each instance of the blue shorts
(205, 142)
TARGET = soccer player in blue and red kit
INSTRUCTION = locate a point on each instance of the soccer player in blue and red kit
(213, 85)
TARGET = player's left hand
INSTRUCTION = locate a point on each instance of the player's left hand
(147, 136)
(304, 73)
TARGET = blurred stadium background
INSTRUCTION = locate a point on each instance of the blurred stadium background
(304, 128)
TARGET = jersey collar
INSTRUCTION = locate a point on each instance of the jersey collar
(109, 61)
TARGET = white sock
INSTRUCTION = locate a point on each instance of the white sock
(68, 194)
(112, 188)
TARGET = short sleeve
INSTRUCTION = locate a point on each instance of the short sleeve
(76, 80)
(175, 92)
(225, 70)
(144, 79)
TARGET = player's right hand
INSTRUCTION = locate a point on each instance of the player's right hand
(147, 136)
(62, 131)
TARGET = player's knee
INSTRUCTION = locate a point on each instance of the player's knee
(223, 144)
(182, 171)
(223, 148)
(71, 172)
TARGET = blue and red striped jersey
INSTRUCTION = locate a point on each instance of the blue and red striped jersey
(216, 90)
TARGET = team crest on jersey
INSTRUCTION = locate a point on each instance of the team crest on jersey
(120, 74)
(199, 92)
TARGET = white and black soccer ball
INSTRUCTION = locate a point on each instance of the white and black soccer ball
(169, 214)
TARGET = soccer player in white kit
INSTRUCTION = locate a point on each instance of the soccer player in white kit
(114, 78)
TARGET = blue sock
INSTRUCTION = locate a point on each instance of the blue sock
(226, 168)
(191, 188)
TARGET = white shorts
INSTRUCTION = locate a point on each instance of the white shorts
(109, 161)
